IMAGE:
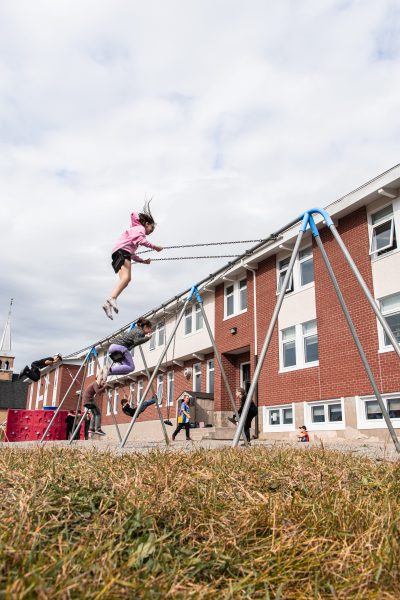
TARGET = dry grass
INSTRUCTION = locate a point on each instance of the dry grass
(224, 524)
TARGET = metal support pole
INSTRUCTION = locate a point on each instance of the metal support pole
(166, 438)
(365, 289)
(354, 334)
(79, 401)
(63, 400)
(114, 418)
(219, 361)
(270, 331)
(78, 426)
(157, 368)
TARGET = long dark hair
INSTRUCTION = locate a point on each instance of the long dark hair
(145, 217)
(143, 323)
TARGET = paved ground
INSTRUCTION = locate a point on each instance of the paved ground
(374, 450)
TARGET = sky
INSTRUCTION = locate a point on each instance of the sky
(233, 116)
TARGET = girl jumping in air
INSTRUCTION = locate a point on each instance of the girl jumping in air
(123, 343)
(124, 252)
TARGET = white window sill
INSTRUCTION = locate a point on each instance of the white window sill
(301, 289)
(378, 424)
(192, 333)
(278, 428)
(336, 426)
(386, 350)
(235, 315)
(298, 367)
(390, 253)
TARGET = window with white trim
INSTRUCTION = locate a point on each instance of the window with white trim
(30, 396)
(160, 388)
(235, 298)
(140, 386)
(278, 418)
(198, 317)
(131, 395)
(299, 346)
(382, 231)
(324, 415)
(193, 319)
(390, 307)
(91, 365)
(170, 388)
(109, 401)
(158, 336)
(55, 386)
(302, 275)
(197, 377)
(210, 376)
(369, 413)
(116, 398)
(188, 320)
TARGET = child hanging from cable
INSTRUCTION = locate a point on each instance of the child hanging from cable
(89, 401)
(124, 252)
(122, 344)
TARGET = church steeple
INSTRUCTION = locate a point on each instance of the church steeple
(6, 355)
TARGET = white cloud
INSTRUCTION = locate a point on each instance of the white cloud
(234, 116)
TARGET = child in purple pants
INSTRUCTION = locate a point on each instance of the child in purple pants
(123, 343)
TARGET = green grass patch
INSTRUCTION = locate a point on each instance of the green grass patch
(273, 524)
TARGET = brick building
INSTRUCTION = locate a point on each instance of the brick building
(313, 374)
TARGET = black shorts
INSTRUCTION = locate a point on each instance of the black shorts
(118, 259)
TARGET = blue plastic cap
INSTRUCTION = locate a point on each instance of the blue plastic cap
(313, 227)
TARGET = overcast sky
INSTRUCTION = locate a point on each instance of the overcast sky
(234, 116)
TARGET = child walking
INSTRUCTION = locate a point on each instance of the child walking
(124, 252)
(183, 419)
(123, 343)
(89, 402)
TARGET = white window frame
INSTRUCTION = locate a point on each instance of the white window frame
(244, 364)
(381, 334)
(300, 349)
(268, 428)
(30, 396)
(55, 386)
(327, 425)
(387, 250)
(295, 278)
(39, 398)
(159, 330)
(191, 314)
(139, 391)
(188, 320)
(364, 423)
(210, 369)
(170, 377)
(109, 401)
(196, 372)
(46, 388)
(132, 394)
(236, 297)
(116, 399)
(160, 383)
(91, 365)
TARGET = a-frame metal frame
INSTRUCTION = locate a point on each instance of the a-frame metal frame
(194, 294)
(307, 219)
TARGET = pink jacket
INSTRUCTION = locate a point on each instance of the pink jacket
(132, 238)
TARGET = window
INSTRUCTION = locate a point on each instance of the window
(132, 395)
(30, 395)
(7, 365)
(160, 388)
(55, 386)
(283, 267)
(116, 398)
(235, 298)
(210, 376)
(158, 336)
(170, 388)
(390, 307)
(91, 365)
(324, 415)
(109, 400)
(198, 317)
(289, 347)
(245, 378)
(299, 346)
(188, 320)
(369, 413)
(310, 341)
(306, 262)
(139, 390)
(302, 274)
(229, 300)
(383, 231)
(197, 377)
(279, 418)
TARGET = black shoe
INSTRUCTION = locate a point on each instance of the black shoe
(100, 432)
(232, 420)
(24, 372)
(173, 438)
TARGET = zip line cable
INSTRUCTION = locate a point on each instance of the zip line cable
(206, 244)
(195, 257)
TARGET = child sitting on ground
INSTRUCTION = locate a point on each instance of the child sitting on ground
(124, 252)
(123, 343)
(89, 401)
(130, 411)
(303, 436)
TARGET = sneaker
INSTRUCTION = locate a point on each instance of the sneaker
(91, 431)
(113, 303)
(232, 420)
(24, 372)
(99, 432)
(108, 309)
(173, 438)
